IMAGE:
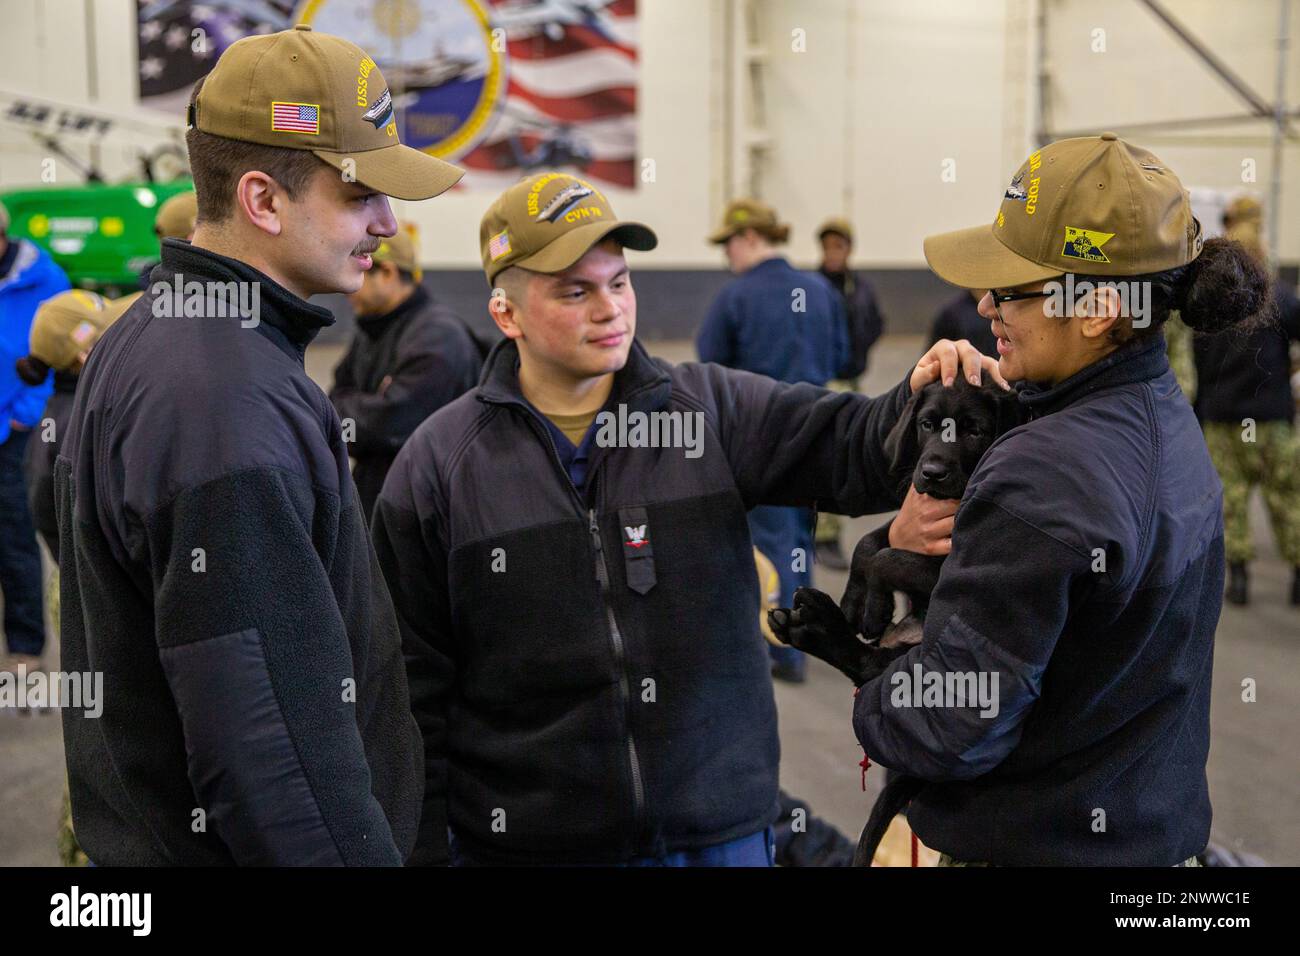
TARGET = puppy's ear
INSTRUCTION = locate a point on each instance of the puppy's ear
(900, 445)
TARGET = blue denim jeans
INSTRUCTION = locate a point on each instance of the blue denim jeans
(757, 849)
(20, 559)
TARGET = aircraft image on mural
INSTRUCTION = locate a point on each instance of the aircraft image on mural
(522, 18)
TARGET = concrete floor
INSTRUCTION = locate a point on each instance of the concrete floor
(1253, 758)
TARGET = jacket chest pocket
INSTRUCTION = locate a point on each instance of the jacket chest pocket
(638, 550)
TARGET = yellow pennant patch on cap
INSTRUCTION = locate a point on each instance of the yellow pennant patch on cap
(1085, 244)
(499, 245)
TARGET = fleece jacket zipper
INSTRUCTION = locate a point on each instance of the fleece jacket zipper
(620, 657)
(615, 636)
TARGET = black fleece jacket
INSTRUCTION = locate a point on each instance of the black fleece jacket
(587, 668)
(38, 462)
(216, 570)
(400, 368)
(1249, 375)
(1081, 596)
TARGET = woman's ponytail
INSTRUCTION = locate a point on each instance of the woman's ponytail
(1225, 286)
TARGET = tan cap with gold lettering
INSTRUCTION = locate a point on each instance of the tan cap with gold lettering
(548, 221)
(304, 90)
(1094, 205)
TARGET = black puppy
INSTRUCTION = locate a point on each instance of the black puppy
(936, 444)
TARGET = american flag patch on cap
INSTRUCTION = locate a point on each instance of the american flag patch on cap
(499, 245)
(296, 118)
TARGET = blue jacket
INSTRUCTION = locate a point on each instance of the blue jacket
(779, 322)
(31, 280)
(1086, 575)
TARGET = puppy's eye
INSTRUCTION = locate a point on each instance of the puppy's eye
(927, 425)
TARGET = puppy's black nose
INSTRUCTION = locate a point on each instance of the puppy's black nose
(934, 470)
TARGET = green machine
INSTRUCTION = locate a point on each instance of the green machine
(100, 235)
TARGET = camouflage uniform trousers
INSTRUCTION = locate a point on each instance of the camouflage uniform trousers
(70, 853)
(1272, 461)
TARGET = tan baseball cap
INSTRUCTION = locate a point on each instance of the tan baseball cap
(176, 217)
(837, 225)
(1094, 205)
(306, 90)
(548, 221)
(399, 249)
(65, 326)
(1243, 209)
(749, 214)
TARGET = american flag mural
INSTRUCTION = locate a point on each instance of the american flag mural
(501, 87)
(172, 55)
(570, 98)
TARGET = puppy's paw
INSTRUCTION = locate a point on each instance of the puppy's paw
(816, 626)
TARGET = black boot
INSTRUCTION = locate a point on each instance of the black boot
(1238, 584)
(1295, 586)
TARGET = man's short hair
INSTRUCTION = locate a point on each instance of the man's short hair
(217, 163)
(513, 281)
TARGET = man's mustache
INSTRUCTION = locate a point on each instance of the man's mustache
(367, 247)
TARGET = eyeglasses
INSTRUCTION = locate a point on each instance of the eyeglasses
(1000, 297)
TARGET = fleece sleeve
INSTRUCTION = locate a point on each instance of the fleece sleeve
(995, 616)
(413, 557)
(257, 656)
(807, 446)
(436, 364)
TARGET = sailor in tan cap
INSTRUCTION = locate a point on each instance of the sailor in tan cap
(410, 355)
(64, 331)
(568, 552)
(1086, 573)
(294, 151)
(177, 217)
(215, 547)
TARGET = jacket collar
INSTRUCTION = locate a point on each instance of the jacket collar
(376, 325)
(1138, 361)
(640, 384)
(773, 264)
(291, 322)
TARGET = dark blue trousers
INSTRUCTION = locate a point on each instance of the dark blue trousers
(20, 559)
(778, 532)
(757, 849)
